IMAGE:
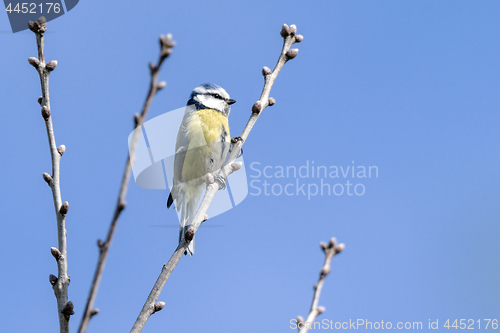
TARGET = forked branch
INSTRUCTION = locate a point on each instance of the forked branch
(289, 34)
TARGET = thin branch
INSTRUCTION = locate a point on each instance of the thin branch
(166, 45)
(290, 37)
(59, 284)
(330, 251)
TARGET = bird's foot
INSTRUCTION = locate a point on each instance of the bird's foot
(234, 141)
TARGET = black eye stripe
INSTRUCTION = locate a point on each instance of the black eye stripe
(218, 96)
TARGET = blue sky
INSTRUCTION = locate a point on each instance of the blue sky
(409, 87)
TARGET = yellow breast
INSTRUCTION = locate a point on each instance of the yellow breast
(205, 127)
(212, 122)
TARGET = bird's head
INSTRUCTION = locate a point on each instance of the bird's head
(211, 96)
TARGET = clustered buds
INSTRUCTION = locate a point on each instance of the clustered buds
(64, 208)
(158, 306)
(45, 113)
(257, 107)
(39, 26)
(166, 44)
(51, 65)
(332, 245)
(68, 310)
(47, 178)
(291, 31)
(285, 31)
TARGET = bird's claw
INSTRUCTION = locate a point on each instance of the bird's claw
(234, 141)
(222, 183)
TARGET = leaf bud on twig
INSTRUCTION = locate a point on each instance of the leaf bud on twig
(51, 65)
(47, 178)
(34, 62)
(64, 208)
(45, 113)
(161, 85)
(61, 149)
(52, 279)
(266, 71)
(159, 306)
(256, 108)
(55, 253)
(292, 53)
(68, 310)
(285, 31)
(339, 248)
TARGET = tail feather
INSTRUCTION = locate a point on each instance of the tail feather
(188, 210)
(170, 200)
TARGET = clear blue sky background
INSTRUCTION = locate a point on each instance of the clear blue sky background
(411, 87)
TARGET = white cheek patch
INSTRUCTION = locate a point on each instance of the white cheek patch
(211, 102)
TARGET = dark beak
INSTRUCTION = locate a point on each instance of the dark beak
(231, 101)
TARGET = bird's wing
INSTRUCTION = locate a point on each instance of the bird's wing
(190, 145)
(181, 146)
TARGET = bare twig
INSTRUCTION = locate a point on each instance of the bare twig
(59, 284)
(166, 45)
(330, 251)
(290, 37)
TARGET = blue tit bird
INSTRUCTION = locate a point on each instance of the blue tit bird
(203, 142)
